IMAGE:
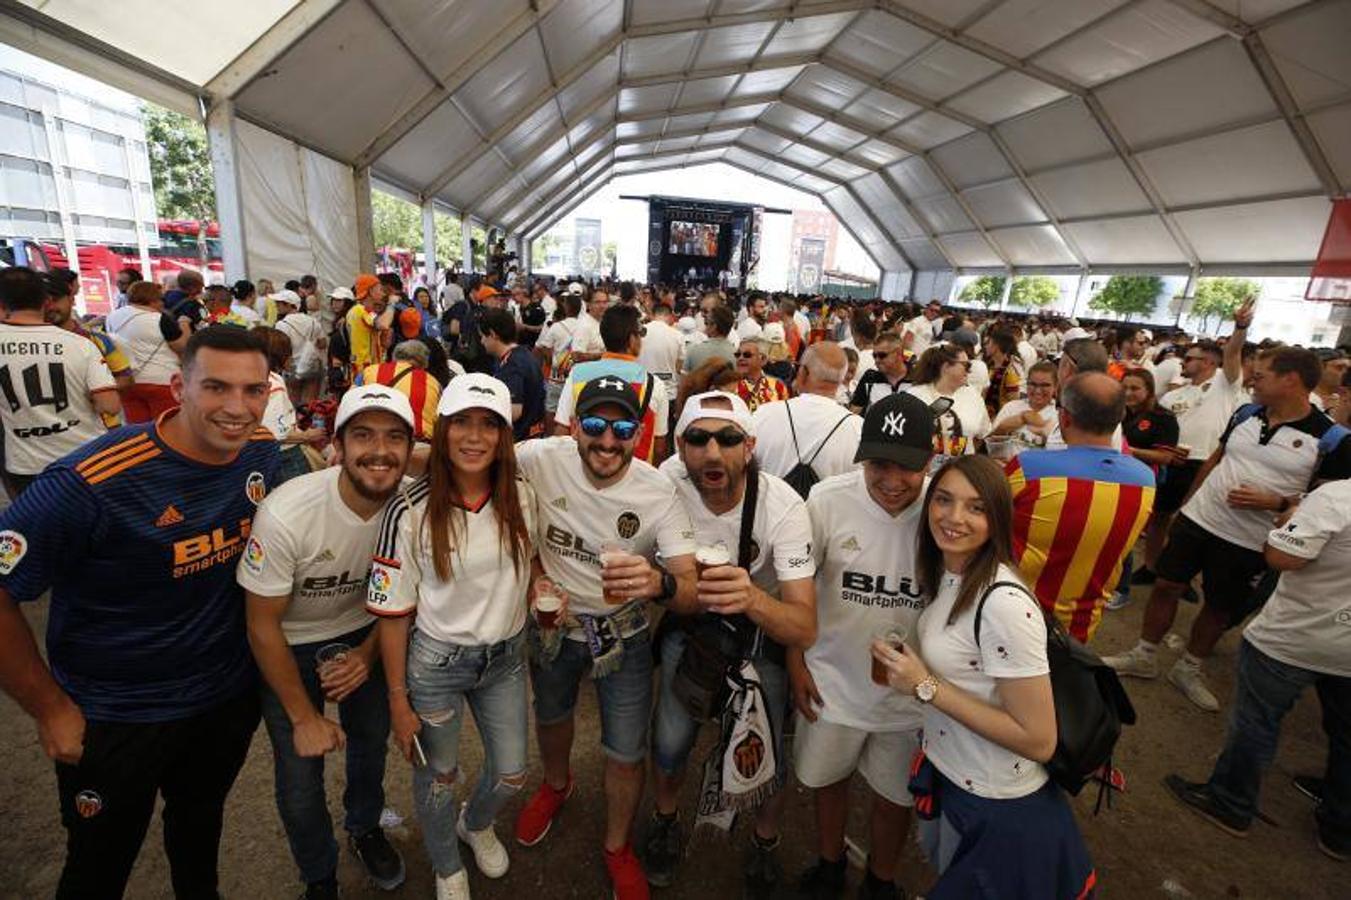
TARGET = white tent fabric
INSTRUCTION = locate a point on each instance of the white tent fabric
(299, 209)
(947, 135)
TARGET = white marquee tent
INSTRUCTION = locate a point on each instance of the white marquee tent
(1187, 136)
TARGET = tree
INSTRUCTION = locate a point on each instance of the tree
(609, 254)
(1220, 297)
(542, 247)
(987, 290)
(397, 223)
(180, 169)
(1129, 295)
(1034, 291)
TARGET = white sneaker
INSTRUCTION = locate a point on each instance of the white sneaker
(489, 853)
(1134, 662)
(453, 887)
(1187, 679)
(1119, 600)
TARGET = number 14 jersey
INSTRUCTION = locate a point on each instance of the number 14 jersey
(47, 378)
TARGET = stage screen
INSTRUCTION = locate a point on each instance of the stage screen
(694, 239)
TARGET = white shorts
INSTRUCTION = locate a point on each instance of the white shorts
(825, 753)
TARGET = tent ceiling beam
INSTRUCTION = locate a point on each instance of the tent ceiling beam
(504, 38)
(270, 46)
(795, 11)
(713, 107)
(812, 144)
(526, 225)
(570, 158)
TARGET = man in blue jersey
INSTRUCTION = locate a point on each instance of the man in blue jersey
(151, 689)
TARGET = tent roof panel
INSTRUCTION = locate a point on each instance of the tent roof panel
(1142, 33)
(1183, 117)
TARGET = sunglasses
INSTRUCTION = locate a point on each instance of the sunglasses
(748, 355)
(726, 437)
(623, 429)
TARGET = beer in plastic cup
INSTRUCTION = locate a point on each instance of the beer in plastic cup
(612, 552)
(329, 655)
(547, 605)
(893, 639)
(709, 556)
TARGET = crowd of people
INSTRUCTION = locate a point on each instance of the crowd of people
(838, 533)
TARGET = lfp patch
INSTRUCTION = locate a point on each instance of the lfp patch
(254, 556)
(13, 547)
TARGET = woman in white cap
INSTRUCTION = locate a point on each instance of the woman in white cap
(456, 548)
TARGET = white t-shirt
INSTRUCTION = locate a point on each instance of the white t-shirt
(48, 377)
(586, 337)
(137, 331)
(978, 379)
(280, 415)
(960, 426)
(749, 328)
(1028, 353)
(247, 313)
(549, 305)
(661, 351)
(482, 603)
(1307, 621)
(814, 417)
(1203, 411)
(781, 535)
(306, 543)
(450, 294)
(1283, 463)
(923, 330)
(866, 362)
(1165, 373)
(1015, 408)
(865, 583)
(575, 517)
(304, 331)
(1012, 645)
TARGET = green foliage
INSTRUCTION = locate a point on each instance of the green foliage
(1129, 295)
(398, 223)
(987, 290)
(180, 166)
(542, 247)
(1034, 291)
(1219, 297)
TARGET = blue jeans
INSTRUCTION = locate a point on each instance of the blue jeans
(441, 677)
(300, 782)
(674, 732)
(1265, 692)
(625, 695)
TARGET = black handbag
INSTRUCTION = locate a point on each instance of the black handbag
(1090, 703)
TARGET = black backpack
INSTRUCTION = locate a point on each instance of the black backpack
(802, 476)
(1090, 704)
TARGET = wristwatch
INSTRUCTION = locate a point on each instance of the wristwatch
(927, 689)
(668, 586)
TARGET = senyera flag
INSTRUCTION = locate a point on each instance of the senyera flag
(1331, 275)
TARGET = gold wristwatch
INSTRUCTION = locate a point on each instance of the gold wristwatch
(927, 689)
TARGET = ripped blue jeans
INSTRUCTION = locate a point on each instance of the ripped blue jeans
(441, 677)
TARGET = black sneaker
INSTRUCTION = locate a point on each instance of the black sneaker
(321, 890)
(1310, 786)
(1143, 576)
(1335, 847)
(764, 875)
(662, 847)
(1198, 798)
(874, 888)
(823, 881)
(383, 863)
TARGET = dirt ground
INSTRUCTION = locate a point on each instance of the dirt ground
(1146, 846)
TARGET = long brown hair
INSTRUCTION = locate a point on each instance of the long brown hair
(445, 504)
(931, 362)
(992, 487)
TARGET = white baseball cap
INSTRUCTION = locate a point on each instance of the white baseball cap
(367, 397)
(739, 414)
(285, 296)
(475, 391)
(342, 293)
(577, 288)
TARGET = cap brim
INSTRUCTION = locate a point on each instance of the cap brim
(585, 408)
(912, 458)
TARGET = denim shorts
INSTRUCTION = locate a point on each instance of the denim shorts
(624, 696)
(675, 731)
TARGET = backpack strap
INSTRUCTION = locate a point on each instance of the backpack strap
(821, 446)
(980, 605)
(1244, 413)
(1332, 439)
(797, 452)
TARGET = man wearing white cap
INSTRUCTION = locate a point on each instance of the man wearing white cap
(308, 344)
(758, 579)
(304, 573)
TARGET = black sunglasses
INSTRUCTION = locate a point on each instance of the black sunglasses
(747, 355)
(726, 437)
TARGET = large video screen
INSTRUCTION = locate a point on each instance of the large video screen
(694, 239)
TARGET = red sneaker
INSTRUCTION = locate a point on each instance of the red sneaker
(626, 874)
(538, 815)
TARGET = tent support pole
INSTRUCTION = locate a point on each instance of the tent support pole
(361, 178)
(429, 242)
(221, 140)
